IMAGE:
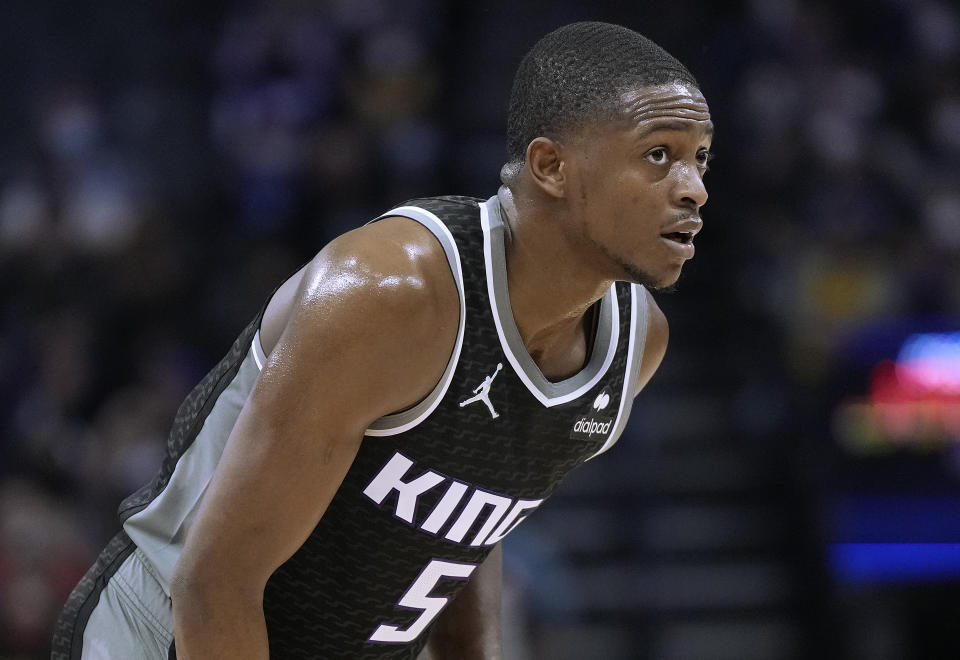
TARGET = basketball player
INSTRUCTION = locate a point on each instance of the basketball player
(338, 485)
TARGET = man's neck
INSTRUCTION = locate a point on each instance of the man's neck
(551, 287)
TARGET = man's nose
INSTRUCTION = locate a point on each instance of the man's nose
(690, 190)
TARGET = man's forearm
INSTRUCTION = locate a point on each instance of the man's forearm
(469, 627)
(484, 646)
(215, 627)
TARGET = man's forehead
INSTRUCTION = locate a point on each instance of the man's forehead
(671, 101)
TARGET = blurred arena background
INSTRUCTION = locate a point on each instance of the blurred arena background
(789, 486)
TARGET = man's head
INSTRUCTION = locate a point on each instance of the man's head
(612, 134)
(576, 75)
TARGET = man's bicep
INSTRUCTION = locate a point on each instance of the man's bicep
(269, 490)
(344, 358)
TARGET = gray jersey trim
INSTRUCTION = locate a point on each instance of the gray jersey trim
(608, 328)
(160, 529)
(639, 319)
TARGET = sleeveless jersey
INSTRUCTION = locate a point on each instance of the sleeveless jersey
(433, 488)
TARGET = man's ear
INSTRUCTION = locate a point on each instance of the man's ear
(547, 167)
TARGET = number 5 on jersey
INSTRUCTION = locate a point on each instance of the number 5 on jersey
(418, 598)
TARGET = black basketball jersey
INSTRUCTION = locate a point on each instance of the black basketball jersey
(433, 488)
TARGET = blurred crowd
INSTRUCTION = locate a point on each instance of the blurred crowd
(164, 168)
(847, 125)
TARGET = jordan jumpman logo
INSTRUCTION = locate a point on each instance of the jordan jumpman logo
(482, 392)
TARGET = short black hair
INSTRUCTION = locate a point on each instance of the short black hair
(577, 73)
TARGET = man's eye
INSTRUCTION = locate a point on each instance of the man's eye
(657, 156)
(704, 158)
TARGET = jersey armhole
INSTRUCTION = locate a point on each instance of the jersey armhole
(408, 418)
(639, 331)
(639, 322)
(404, 420)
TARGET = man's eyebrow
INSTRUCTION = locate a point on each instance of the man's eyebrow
(672, 125)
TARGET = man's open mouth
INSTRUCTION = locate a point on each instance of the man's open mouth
(683, 237)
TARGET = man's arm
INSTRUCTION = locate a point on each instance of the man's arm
(370, 333)
(469, 627)
(658, 334)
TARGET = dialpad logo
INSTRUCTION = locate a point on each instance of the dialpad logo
(597, 421)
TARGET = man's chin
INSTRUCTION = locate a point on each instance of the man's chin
(665, 283)
(666, 288)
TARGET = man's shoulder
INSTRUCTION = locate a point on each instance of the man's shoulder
(383, 293)
(395, 255)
